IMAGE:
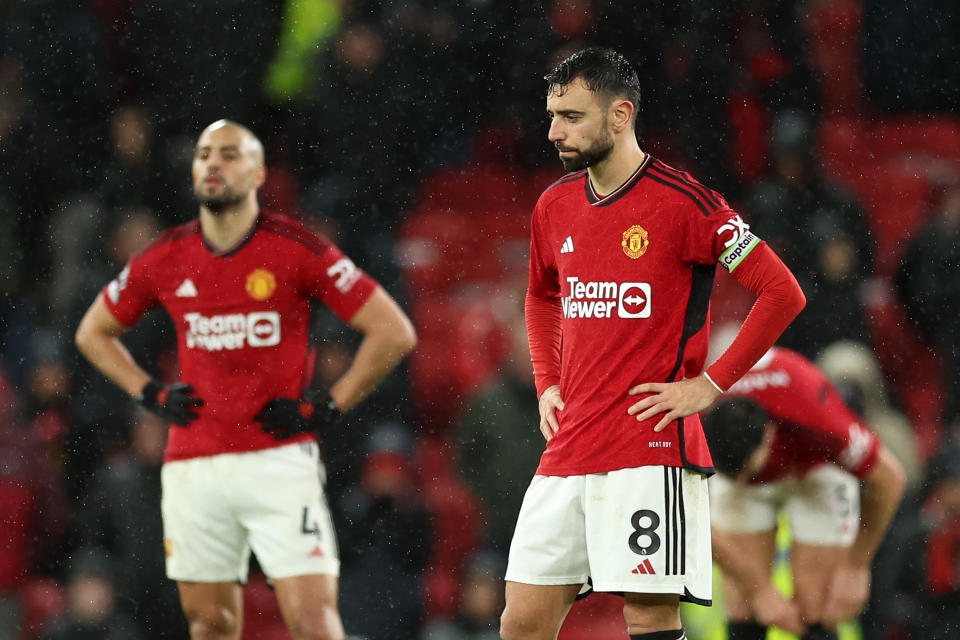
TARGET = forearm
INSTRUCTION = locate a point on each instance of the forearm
(376, 357)
(97, 338)
(882, 489)
(543, 318)
(779, 300)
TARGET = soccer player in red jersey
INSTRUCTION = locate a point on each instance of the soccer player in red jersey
(784, 441)
(242, 468)
(622, 258)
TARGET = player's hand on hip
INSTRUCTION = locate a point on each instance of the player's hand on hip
(550, 403)
(846, 595)
(675, 399)
(287, 417)
(771, 609)
(174, 403)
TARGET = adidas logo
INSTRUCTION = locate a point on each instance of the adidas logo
(567, 246)
(316, 553)
(186, 290)
(645, 568)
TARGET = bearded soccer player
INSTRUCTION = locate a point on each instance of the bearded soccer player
(783, 441)
(622, 260)
(242, 468)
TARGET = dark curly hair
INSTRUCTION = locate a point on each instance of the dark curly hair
(734, 428)
(604, 71)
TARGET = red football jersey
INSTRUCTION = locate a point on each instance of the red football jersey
(813, 425)
(242, 320)
(633, 272)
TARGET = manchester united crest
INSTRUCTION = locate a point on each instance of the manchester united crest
(261, 284)
(635, 241)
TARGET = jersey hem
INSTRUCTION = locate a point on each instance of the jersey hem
(179, 457)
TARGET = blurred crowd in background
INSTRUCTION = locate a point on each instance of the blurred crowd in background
(413, 134)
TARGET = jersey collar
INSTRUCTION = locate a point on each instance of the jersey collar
(229, 251)
(620, 191)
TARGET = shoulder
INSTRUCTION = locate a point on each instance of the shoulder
(685, 190)
(571, 183)
(288, 230)
(171, 239)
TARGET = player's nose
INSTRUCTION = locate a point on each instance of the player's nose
(556, 131)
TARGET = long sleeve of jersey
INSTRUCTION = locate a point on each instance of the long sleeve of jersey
(779, 300)
(543, 331)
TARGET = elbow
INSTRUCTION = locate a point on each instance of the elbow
(405, 339)
(82, 338)
(799, 300)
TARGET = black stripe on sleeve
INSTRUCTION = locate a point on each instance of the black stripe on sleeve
(690, 194)
(711, 196)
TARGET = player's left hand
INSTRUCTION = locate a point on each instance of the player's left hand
(285, 417)
(677, 399)
(846, 595)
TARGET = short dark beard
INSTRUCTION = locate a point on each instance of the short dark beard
(597, 152)
(218, 205)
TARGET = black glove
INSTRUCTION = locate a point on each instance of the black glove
(285, 417)
(174, 402)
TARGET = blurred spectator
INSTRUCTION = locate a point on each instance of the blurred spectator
(923, 600)
(820, 233)
(481, 602)
(361, 184)
(386, 529)
(498, 433)
(33, 506)
(133, 175)
(855, 372)
(121, 513)
(930, 289)
(91, 609)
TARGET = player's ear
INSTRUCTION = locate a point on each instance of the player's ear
(261, 175)
(621, 112)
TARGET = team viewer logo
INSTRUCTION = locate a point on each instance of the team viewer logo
(232, 331)
(635, 241)
(606, 299)
(261, 284)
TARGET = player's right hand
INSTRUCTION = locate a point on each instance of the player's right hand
(550, 403)
(771, 609)
(173, 402)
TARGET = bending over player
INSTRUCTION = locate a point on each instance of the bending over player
(782, 440)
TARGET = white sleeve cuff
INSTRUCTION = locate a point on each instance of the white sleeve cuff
(715, 385)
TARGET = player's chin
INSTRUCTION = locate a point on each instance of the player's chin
(572, 162)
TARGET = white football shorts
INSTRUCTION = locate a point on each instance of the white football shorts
(637, 530)
(217, 508)
(823, 506)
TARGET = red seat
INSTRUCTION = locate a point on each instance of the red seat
(41, 600)
(16, 532)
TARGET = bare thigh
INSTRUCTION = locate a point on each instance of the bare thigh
(535, 612)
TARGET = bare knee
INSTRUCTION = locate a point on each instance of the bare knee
(322, 623)
(647, 613)
(212, 622)
(516, 626)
